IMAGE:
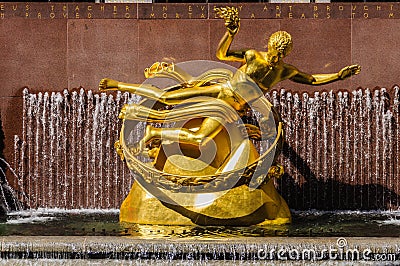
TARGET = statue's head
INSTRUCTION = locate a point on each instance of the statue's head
(281, 43)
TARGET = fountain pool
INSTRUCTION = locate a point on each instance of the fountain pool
(57, 222)
(75, 214)
(95, 237)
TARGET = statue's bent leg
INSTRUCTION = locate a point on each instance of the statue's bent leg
(209, 128)
(142, 113)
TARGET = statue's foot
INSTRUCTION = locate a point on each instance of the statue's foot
(140, 147)
(107, 84)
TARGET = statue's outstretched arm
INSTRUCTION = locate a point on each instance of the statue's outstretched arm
(163, 96)
(321, 79)
(146, 90)
(232, 23)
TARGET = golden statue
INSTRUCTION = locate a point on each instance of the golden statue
(205, 168)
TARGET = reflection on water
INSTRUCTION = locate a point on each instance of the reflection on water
(57, 222)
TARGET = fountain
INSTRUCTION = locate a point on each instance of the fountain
(371, 108)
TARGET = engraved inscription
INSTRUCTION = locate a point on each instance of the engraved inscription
(32, 10)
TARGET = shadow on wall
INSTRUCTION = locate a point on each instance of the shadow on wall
(341, 149)
(329, 194)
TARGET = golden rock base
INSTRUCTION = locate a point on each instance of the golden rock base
(239, 206)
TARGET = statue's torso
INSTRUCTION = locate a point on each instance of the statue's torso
(258, 68)
(262, 77)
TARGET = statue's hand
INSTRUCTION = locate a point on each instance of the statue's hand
(349, 71)
(137, 148)
(107, 84)
(231, 17)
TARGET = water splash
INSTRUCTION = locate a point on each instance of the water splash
(8, 199)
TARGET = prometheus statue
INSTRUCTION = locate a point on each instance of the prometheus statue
(208, 152)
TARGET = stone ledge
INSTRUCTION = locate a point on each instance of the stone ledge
(225, 249)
